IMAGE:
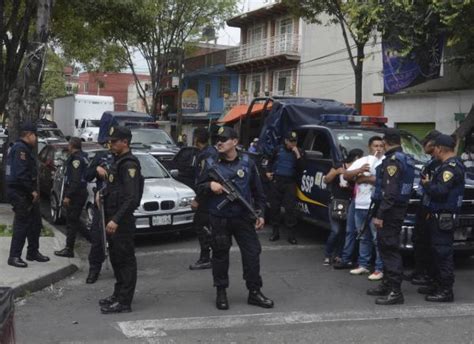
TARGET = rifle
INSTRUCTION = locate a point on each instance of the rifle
(102, 219)
(370, 214)
(232, 193)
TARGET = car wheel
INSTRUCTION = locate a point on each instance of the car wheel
(54, 206)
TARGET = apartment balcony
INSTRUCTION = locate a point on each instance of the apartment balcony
(272, 50)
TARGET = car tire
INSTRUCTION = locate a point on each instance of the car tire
(54, 207)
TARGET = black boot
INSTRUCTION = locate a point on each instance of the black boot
(381, 290)
(421, 280)
(256, 298)
(65, 252)
(115, 307)
(221, 299)
(17, 262)
(92, 277)
(201, 264)
(37, 257)
(275, 234)
(427, 290)
(442, 295)
(107, 301)
(394, 298)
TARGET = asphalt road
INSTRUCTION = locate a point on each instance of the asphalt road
(313, 303)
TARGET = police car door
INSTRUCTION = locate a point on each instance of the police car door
(312, 193)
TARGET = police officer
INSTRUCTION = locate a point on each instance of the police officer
(445, 191)
(233, 219)
(22, 192)
(282, 169)
(421, 236)
(122, 196)
(201, 217)
(393, 186)
(97, 170)
(75, 196)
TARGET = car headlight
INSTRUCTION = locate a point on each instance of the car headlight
(185, 202)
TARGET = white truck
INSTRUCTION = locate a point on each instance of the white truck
(79, 114)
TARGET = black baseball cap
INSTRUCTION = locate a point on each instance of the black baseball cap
(392, 135)
(431, 136)
(227, 133)
(28, 126)
(119, 133)
(445, 141)
(291, 135)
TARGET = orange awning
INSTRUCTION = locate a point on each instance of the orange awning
(371, 109)
(239, 111)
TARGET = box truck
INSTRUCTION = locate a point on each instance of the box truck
(79, 114)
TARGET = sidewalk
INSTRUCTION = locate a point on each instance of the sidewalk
(37, 275)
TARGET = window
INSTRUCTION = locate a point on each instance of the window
(321, 144)
(283, 81)
(207, 90)
(285, 26)
(225, 86)
(86, 87)
(255, 86)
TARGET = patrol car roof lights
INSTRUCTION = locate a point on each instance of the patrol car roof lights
(354, 119)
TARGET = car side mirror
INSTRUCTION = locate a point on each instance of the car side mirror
(314, 154)
(174, 173)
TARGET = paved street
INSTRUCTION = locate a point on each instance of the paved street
(314, 304)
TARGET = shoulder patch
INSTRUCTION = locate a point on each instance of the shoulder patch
(132, 172)
(76, 163)
(23, 155)
(220, 131)
(447, 175)
(391, 170)
(452, 164)
(394, 157)
(111, 178)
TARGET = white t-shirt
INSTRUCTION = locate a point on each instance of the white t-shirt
(363, 192)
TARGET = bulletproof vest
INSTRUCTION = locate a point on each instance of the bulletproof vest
(114, 192)
(453, 202)
(285, 163)
(407, 174)
(428, 170)
(69, 167)
(239, 174)
(11, 174)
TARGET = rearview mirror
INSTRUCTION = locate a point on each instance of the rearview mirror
(174, 173)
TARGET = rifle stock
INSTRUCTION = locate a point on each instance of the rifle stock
(102, 221)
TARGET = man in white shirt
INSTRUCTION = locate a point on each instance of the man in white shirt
(363, 191)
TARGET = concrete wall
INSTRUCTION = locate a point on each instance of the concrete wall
(438, 107)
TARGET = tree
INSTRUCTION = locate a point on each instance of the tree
(53, 81)
(358, 21)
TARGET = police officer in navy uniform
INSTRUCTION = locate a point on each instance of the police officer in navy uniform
(97, 170)
(393, 187)
(445, 190)
(75, 196)
(22, 191)
(122, 196)
(201, 217)
(421, 236)
(282, 170)
(234, 219)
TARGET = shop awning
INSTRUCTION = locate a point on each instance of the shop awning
(239, 111)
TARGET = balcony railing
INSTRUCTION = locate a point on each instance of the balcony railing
(287, 44)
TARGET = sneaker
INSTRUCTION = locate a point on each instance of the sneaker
(327, 261)
(359, 271)
(376, 276)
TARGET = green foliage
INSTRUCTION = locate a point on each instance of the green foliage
(7, 231)
(54, 81)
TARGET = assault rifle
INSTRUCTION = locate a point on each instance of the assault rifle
(232, 193)
(102, 222)
(366, 224)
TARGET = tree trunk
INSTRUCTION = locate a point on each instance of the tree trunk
(466, 126)
(358, 74)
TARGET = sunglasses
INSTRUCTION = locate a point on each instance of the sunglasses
(222, 139)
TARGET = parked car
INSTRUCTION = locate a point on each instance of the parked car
(155, 141)
(49, 135)
(51, 157)
(185, 162)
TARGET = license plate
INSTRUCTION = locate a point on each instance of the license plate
(161, 220)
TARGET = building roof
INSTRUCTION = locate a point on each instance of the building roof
(277, 8)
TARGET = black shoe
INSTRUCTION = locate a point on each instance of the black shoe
(65, 252)
(427, 290)
(420, 280)
(221, 299)
(256, 298)
(115, 307)
(38, 257)
(394, 298)
(444, 295)
(107, 301)
(292, 241)
(274, 237)
(380, 290)
(340, 265)
(201, 264)
(92, 277)
(17, 262)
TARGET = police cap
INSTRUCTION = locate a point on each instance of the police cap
(445, 141)
(119, 133)
(28, 126)
(291, 135)
(226, 133)
(392, 135)
(431, 136)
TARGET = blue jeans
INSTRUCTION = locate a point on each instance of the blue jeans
(367, 242)
(351, 233)
(334, 243)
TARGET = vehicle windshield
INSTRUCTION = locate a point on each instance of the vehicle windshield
(92, 123)
(51, 133)
(151, 168)
(148, 137)
(352, 138)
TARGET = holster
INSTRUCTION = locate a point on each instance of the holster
(446, 221)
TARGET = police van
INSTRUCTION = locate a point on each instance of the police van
(327, 131)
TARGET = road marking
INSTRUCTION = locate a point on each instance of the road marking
(161, 327)
(233, 249)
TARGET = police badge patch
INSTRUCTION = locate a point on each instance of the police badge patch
(76, 163)
(241, 173)
(391, 170)
(22, 155)
(447, 175)
(111, 178)
(293, 134)
(131, 172)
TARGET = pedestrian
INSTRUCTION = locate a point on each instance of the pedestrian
(201, 217)
(182, 141)
(75, 196)
(233, 219)
(22, 192)
(122, 196)
(445, 191)
(253, 146)
(97, 170)
(393, 187)
(284, 166)
(424, 271)
(341, 193)
(364, 186)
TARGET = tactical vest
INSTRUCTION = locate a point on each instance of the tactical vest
(239, 174)
(84, 162)
(285, 163)
(408, 175)
(453, 202)
(10, 172)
